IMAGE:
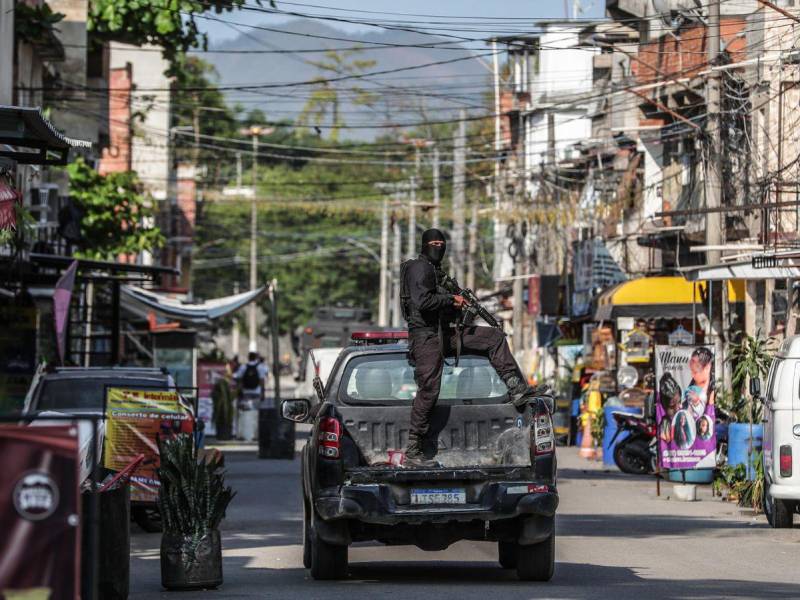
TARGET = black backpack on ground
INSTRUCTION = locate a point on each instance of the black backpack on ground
(250, 379)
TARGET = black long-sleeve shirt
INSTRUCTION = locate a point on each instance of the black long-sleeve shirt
(426, 302)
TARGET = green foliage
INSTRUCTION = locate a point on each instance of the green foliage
(325, 97)
(749, 494)
(115, 215)
(170, 24)
(750, 359)
(193, 497)
(35, 24)
(598, 425)
(306, 248)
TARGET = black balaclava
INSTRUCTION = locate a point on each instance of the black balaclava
(433, 253)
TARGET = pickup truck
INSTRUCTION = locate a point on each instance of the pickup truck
(497, 475)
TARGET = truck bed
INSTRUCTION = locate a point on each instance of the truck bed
(469, 437)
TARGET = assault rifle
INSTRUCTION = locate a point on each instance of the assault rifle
(474, 307)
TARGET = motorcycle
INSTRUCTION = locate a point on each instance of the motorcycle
(637, 453)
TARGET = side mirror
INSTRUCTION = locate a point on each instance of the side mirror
(296, 410)
(755, 387)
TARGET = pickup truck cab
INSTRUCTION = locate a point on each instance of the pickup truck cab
(497, 475)
(781, 443)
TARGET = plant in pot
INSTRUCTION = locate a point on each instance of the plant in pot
(751, 360)
(192, 500)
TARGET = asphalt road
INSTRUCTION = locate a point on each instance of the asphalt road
(615, 539)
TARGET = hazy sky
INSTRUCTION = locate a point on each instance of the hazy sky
(517, 9)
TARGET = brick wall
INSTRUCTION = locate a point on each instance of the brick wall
(117, 157)
(684, 55)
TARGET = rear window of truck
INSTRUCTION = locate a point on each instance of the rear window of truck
(388, 379)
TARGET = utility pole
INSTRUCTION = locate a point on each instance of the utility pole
(498, 225)
(253, 250)
(713, 191)
(412, 217)
(235, 326)
(396, 253)
(459, 192)
(254, 131)
(383, 304)
(473, 246)
(435, 176)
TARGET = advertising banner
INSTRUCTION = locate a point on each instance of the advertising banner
(134, 421)
(685, 407)
(39, 512)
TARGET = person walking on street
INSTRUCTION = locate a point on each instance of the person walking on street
(252, 379)
(431, 312)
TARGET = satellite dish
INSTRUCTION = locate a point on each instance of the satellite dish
(627, 377)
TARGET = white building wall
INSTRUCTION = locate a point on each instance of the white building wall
(149, 153)
(563, 68)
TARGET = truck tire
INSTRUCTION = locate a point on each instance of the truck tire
(328, 561)
(780, 513)
(507, 554)
(537, 561)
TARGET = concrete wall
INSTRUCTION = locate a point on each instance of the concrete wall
(6, 51)
(151, 98)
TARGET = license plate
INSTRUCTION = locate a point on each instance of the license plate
(439, 496)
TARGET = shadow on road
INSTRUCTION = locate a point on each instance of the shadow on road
(642, 526)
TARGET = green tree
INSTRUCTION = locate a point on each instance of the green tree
(170, 24)
(325, 98)
(115, 216)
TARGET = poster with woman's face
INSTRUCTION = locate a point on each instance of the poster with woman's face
(685, 407)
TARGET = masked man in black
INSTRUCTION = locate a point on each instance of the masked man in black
(430, 311)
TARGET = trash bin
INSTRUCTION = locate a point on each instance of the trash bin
(275, 434)
(739, 442)
(113, 541)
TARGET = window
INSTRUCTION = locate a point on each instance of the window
(388, 379)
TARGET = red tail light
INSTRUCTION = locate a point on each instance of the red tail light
(786, 461)
(330, 436)
(543, 440)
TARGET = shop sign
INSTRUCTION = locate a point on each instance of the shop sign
(135, 419)
(685, 413)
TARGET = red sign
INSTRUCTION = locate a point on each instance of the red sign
(39, 511)
(534, 295)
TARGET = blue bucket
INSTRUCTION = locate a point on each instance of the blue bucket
(611, 428)
(692, 476)
(739, 442)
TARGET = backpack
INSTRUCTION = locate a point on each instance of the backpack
(250, 378)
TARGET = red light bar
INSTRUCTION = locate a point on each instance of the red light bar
(377, 337)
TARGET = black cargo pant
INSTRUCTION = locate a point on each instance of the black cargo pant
(427, 354)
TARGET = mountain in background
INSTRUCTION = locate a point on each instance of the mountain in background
(432, 93)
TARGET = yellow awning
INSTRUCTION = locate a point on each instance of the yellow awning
(655, 297)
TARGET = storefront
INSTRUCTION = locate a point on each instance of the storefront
(633, 317)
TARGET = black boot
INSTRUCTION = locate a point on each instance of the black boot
(520, 393)
(415, 458)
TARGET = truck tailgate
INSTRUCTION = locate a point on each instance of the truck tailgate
(467, 435)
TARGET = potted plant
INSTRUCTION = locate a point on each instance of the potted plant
(751, 360)
(192, 499)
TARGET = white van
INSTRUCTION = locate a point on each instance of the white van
(782, 435)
